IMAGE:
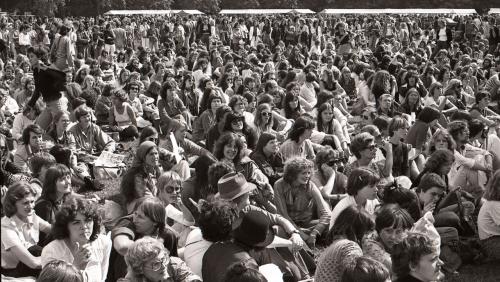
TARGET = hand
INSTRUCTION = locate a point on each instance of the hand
(429, 207)
(311, 241)
(297, 242)
(82, 256)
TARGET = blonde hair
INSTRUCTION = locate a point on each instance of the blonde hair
(167, 178)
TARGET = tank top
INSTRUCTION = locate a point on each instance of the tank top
(123, 120)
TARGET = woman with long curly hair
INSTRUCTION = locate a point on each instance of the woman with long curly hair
(382, 83)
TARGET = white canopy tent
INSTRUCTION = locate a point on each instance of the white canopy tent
(494, 11)
(399, 11)
(265, 11)
(152, 12)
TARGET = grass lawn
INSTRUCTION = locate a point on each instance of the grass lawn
(487, 272)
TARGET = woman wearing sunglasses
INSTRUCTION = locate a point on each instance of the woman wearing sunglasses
(328, 176)
(148, 260)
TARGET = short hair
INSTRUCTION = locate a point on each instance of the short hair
(437, 159)
(225, 139)
(147, 132)
(49, 191)
(167, 178)
(381, 122)
(59, 271)
(492, 192)
(352, 224)
(359, 143)
(58, 115)
(82, 111)
(39, 51)
(16, 192)
(216, 220)
(294, 166)
(476, 126)
(143, 250)
(360, 178)
(240, 272)
(365, 269)
(68, 213)
(35, 128)
(235, 99)
(481, 95)
(456, 127)
(40, 160)
(409, 252)
(392, 215)
(397, 123)
(431, 180)
(301, 124)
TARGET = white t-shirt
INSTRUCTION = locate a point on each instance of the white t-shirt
(488, 220)
(350, 201)
(97, 268)
(195, 249)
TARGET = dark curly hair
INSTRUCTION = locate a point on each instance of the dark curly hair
(409, 252)
(225, 139)
(35, 128)
(68, 213)
(302, 124)
(216, 220)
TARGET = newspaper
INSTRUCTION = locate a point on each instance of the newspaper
(108, 159)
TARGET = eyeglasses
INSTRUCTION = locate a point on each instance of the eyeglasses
(158, 264)
(371, 147)
(265, 114)
(172, 189)
(333, 162)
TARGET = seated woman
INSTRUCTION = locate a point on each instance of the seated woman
(391, 223)
(206, 119)
(265, 122)
(481, 111)
(149, 219)
(299, 200)
(236, 124)
(361, 191)
(420, 132)
(345, 244)
(267, 156)
(366, 269)
(365, 150)
(20, 232)
(330, 181)
(488, 221)
(148, 260)
(412, 102)
(89, 137)
(178, 216)
(237, 104)
(402, 165)
(187, 147)
(291, 107)
(59, 133)
(140, 179)
(23, 120)
(122, 117)
(328, 130)
(78, 240)
(298, 143)
(416, 258)
(230, 149)
(31, 143)
(171, 106)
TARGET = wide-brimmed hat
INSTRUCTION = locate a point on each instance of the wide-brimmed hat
(233, 185)
(254, 230)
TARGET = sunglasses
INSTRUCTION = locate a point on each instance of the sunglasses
(266, 114)
(172, 189)
(333, 162)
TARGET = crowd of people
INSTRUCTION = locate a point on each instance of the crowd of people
(249, 148)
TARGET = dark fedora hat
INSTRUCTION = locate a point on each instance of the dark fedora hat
(254, 230)
(233, 185)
